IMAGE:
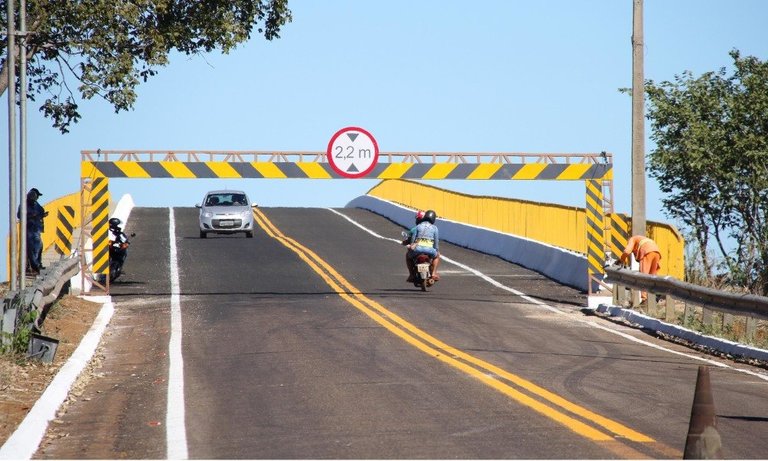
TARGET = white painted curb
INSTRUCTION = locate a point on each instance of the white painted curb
(649, 323)
(25, 440)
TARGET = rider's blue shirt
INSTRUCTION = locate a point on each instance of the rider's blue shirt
(426, 235)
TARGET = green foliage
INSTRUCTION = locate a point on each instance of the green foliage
(110, 46)
(719, 328)
(694, 271)
(711, 162)
(24, 332)
(19, 342)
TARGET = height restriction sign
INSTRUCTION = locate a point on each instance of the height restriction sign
(352, 152)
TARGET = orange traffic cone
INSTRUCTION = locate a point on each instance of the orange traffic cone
(703, 440)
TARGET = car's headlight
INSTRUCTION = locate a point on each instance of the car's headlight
(207, 214)
(247, 213)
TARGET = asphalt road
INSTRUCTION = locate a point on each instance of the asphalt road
(306, 342)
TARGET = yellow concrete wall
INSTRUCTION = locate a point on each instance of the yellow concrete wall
(558, 225)
(672, 248)
(565, 225)
(52, 208)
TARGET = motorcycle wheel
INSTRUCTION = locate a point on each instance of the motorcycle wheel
(423, 285)
(114, 272)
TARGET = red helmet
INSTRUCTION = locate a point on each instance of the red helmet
(419, 216)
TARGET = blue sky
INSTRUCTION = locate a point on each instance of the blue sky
(420, 76)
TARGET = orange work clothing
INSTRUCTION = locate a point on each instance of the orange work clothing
(646, 252)
(650, 263)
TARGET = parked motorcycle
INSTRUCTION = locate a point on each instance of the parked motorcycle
(423, 264)
(118, 252)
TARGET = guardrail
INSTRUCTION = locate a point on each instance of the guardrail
(38, 297)
(750, 306)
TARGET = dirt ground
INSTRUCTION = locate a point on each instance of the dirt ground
(23, 381)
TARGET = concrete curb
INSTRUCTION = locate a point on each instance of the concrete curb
(566, 267)
(718, 344)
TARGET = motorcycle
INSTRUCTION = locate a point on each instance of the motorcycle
(118, 252)
(422, 263)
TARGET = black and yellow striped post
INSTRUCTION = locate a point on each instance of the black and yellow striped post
(595, 232)
(620, 225)
(65, 225)
(100, 223)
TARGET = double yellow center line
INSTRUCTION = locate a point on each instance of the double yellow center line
(599, 429)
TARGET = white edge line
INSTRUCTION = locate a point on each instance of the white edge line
(176, 431)
(558, 311)
(25, 440)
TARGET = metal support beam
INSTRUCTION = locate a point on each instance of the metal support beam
(23, 138)
(594, 168)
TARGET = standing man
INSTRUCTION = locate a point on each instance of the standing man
(35, 215)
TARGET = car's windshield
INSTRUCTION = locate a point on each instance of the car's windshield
(226, 199)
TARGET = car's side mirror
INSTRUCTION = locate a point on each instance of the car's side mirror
(197, 205)
(254, 205)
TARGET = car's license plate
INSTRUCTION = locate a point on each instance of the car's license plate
(226, 223)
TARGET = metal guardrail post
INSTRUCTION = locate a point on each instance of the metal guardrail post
(688, 313)
(750, 327)
(652, 305)
(728, 323)
(669, 311)
(8, 320)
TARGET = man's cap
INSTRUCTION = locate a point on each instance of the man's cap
(35, 191)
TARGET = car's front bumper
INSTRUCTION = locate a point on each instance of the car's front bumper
(226, 224)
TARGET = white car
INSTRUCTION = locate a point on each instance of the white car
(226, 212)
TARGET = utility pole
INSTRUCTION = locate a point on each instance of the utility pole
(638, 121)
(23, 140)
(11, 63)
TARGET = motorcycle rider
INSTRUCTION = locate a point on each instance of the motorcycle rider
(117, 239)
(424, 239)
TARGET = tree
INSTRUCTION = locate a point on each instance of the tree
(711, 159)
(105, 48)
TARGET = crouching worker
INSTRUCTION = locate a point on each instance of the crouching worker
(646, 252)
